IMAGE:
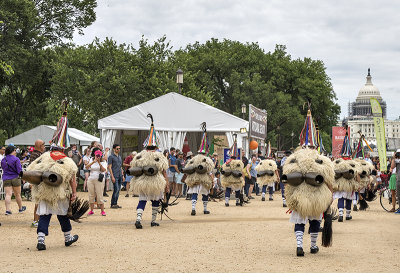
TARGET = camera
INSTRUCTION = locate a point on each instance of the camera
(397, 155)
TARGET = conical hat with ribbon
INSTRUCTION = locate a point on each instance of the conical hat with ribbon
(308, 136)
(359, 152)
(151, 142)
(203, 149)
(320, 145)
(233, 152)
(60, 139)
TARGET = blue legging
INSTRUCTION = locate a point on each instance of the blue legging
(44, 220)
(228, 193)
(340, 203)
(204, 198)
(314, 226)
(142, 204)
(282, 185)
(270, 189)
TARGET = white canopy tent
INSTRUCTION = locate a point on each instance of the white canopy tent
(174, 116)
(45, 132)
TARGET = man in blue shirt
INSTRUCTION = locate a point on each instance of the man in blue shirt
(116, 173)
(172, 170)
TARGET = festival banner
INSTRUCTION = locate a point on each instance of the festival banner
(257, 122)
(338, 134)
(379, 132)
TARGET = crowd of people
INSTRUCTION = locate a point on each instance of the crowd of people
(177, 161)
(112, 168)
(102, 165)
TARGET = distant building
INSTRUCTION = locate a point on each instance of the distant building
(360, 117)
(361, 108)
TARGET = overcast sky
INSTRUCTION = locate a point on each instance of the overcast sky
(348, 36)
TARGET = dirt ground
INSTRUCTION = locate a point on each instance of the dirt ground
(256, 238)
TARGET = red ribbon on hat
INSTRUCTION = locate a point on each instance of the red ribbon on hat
(57, 155)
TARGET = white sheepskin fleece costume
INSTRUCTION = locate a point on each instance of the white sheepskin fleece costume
(65, 167)
(200, 162)
(149, 185)
(269, 167)
(364, 170)
(230, 175)
(306, 199)
(343, 184)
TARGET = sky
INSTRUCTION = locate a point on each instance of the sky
(348, 36)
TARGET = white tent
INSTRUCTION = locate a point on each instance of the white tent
(45, 132)
(174, 116)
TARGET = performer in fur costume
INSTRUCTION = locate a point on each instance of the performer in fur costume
(54, 186)
(346, 179)
(267, 175)
(309, 177)
(346, 182)
(364, 170)
(150, 182)
(199, 174)
(232, 178)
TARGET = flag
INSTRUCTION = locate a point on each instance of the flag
(379, 132)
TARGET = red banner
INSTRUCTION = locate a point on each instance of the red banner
(338, 134)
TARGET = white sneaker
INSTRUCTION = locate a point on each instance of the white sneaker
(35, 224)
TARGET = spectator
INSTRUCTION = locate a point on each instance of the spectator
(251, 168)
(396, 164)
(172, 170)
(76, 156)
(367, 158)
(97, 166)
(246, 172)
(37, 152)
(2, 151)
(24, 157)
(392, 188)
(188, 157)
(216, 163)
(127, 164)
(93, 144)
(260, 157)
(179, 175)
(166, 153)
(106, 153)
(116, 173)
(86, 160)
(12, 170)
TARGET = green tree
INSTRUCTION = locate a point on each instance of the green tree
(103, 78)
(234, 73)
(29, 26)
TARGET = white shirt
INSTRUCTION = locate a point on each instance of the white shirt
(95, 169)
(86, 159)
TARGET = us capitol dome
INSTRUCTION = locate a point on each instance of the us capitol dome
(360, 119)
(361, 108)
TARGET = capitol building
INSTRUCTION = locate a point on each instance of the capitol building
(360, 117)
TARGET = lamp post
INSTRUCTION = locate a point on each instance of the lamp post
(243, 110)
(179, 79)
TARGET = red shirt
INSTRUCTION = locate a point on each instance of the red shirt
(128, 160)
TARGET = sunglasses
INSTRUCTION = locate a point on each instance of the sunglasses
(117, 148)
